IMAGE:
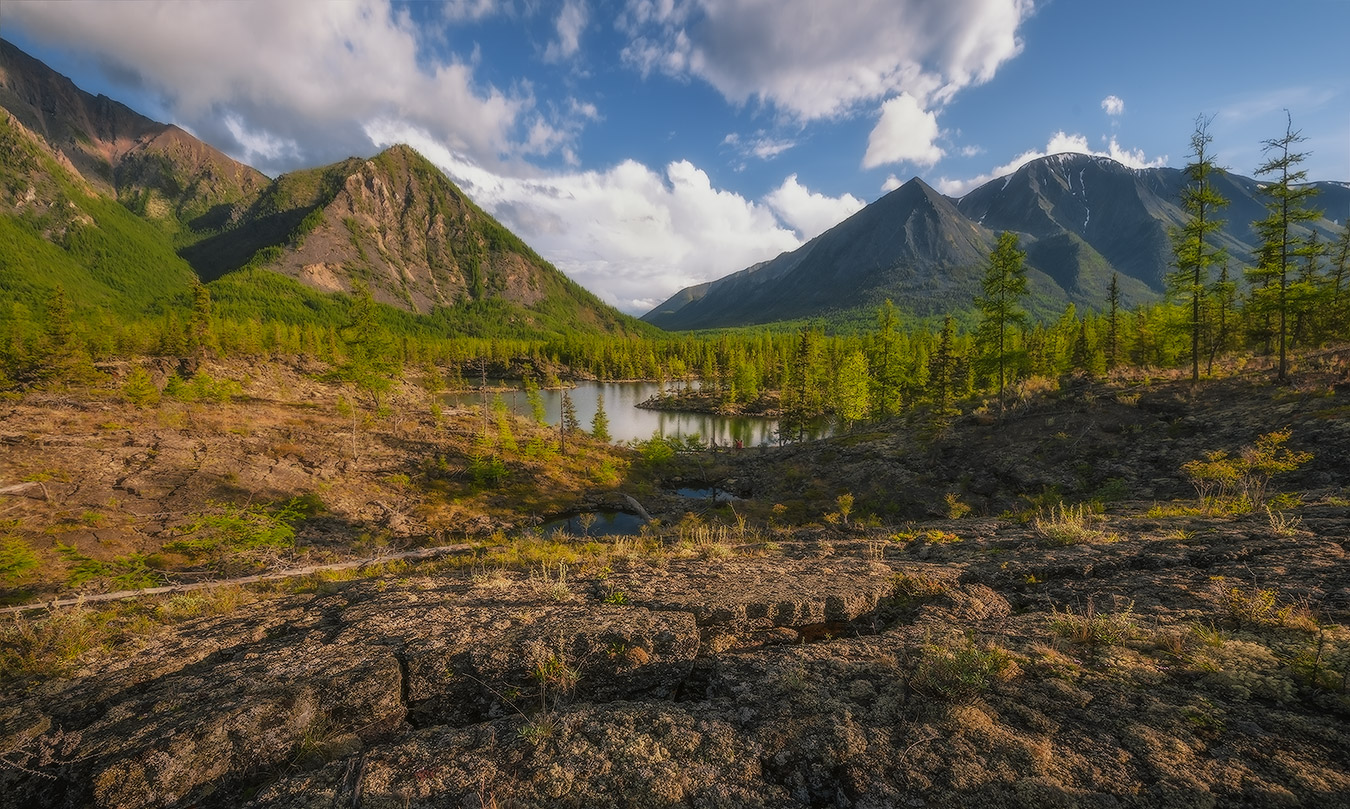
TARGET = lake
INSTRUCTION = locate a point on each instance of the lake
(627, 421)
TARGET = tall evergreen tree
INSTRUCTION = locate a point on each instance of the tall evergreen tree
(1004, 284)
(884, 362)
(1224, 296)
(1113, 322)
(1281, 244)
(1192, 249)
(1338, 296)
(852, 390)
(600, 423)
(199, 327)
(942, 369)
(370, 364)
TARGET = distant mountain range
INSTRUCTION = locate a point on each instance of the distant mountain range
(393, 222)
(1080, 218)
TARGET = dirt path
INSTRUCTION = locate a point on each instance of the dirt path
(423, 553)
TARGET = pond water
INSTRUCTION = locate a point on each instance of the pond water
(707, 493)
(627, 421)
(603, 524)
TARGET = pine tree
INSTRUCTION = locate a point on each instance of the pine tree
(1281, 245)
(570, 423)
(1113, 322)
(1338, 296)
(1191, 248)
(199, 327)
(885, 364)
(1004, 284)
(370, 365)
(600, 423)
(942, 370)
(535, 400)
(1224, 295)
(801, 391)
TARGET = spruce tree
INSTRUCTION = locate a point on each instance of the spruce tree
(1191, 243)
(884, 362)
(600, 423)
(1004, 284)
(535, 400)
(942, 370)
(1338, 296)
(199, 327)
(1113, 322)
(1281, 244)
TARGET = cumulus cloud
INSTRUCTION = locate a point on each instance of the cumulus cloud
(1059, 143)
(457, 10)
(571, 22)
(819, 60)
(303, 72)
(808, 212)
(633, 235)
(761, 145)
(1113, 105)
(906, 132)
(892, 182)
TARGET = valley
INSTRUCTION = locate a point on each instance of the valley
(1048, 589)
(326, 489)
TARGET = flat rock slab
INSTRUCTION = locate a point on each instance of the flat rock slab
(740, 602)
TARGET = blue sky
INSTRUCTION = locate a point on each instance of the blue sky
(645, 145)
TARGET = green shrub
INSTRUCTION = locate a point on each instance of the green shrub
(1094, 628)
(251, 534)
(960, 670)
(140, 390)
(16, 559)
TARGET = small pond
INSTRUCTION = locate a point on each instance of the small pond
(628, 422)
(603, 524)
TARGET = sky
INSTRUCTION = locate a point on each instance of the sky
(646, 145)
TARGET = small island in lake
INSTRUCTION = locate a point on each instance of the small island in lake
(766, 405)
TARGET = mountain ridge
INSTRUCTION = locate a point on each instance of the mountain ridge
(392, 222)
(1081, 219)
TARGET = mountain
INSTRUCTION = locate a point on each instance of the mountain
(124, 213)
(157, 170)
(1081, 219)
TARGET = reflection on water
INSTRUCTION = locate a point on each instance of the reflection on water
(707, 493)
(628, 422)
(602, 524)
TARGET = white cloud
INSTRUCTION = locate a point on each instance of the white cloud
(632, 235)
(1059, 143)
(819, 60)
(457, 10)
(761, 146)
(307, 72)
(808, 212)
(571, 22)
(1113, 105)
(905, 133)
(892, 183)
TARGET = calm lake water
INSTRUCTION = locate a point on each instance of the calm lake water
(628, 422)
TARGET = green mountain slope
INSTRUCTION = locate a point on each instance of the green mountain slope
(56, 230)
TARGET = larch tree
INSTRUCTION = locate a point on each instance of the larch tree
(1192, 244)
(1000, 310)
(1288, 198)
(852, 390)
(885, 363)
(1112, 350)
(600, 423)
